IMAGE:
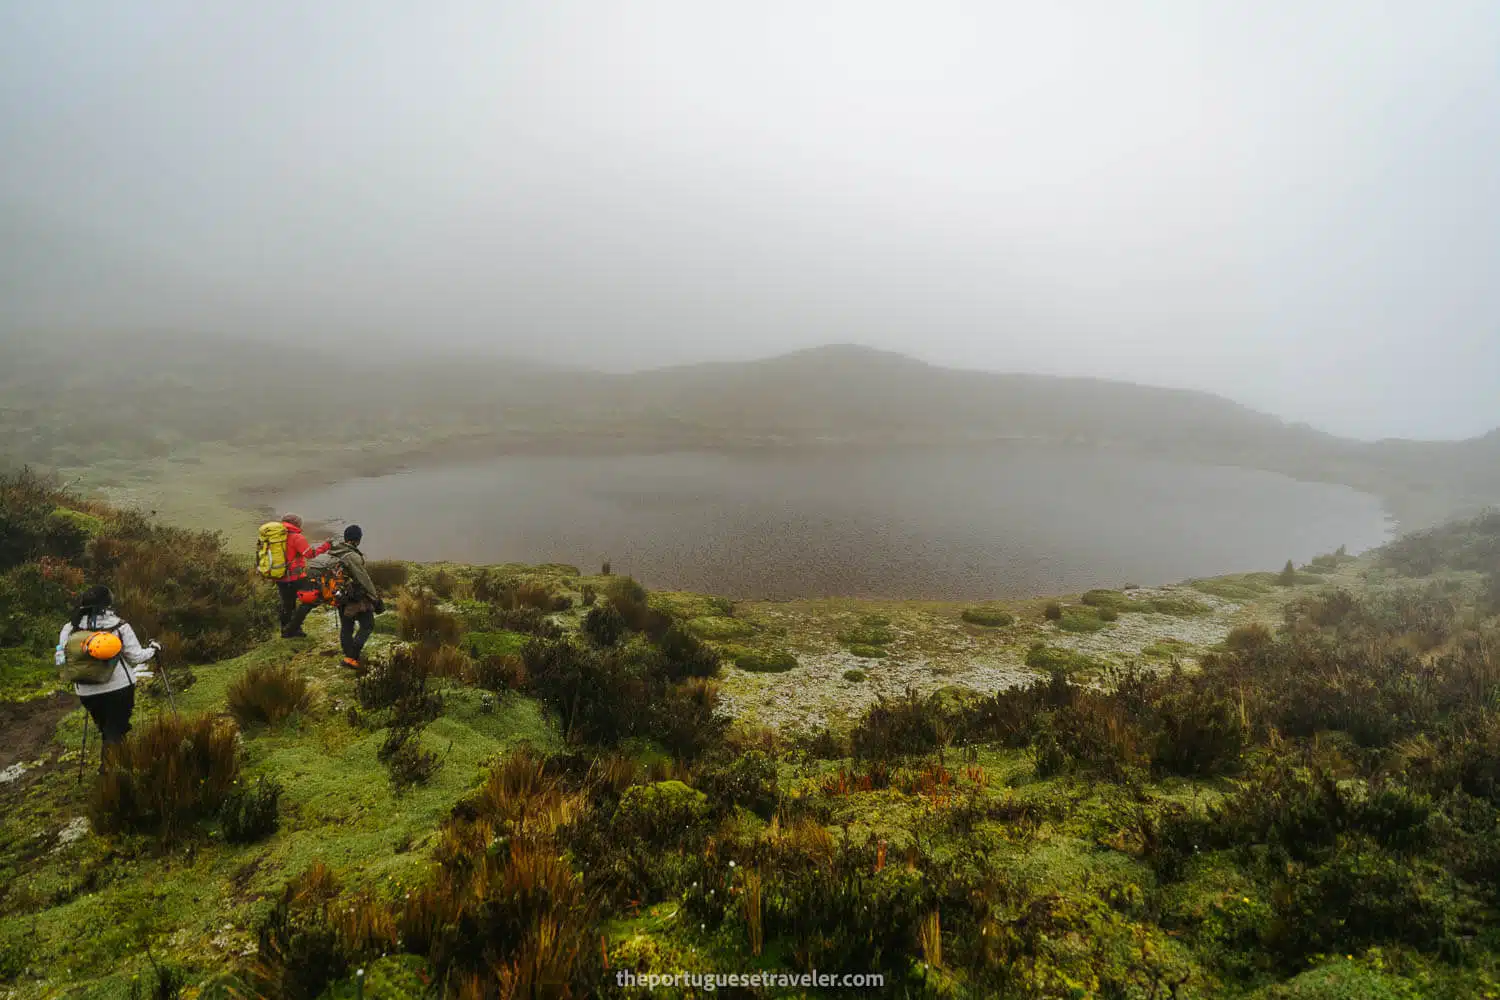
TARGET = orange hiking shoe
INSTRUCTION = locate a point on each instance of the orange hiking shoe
(350, 661)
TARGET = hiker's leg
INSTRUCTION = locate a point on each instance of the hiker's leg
(111, 712)
(299, 615)
(346, 635)
(287, 591)
(366, 622)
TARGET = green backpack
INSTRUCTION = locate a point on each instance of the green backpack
(82, 663)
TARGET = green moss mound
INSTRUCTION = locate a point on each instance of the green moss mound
(988, 617)
(719, 629)
(773, 662)
(1082, 619)
(501, 643)
(869, 652)
(1046, 658)
(872, 630)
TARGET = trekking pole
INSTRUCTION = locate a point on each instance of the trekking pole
(161, 668)
(83, 754)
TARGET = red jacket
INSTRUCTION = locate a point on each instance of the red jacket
(298, 551)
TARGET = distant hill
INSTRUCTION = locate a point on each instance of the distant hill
(167, 389)
(855, 392)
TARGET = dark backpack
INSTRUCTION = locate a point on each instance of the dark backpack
(325, 575)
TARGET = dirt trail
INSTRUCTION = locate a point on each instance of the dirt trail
(26, 727)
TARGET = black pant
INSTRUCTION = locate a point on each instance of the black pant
(111, 713)
(292, 611)
(352, 641)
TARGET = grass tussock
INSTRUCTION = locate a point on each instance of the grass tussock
(167, 775)
(422, 620)
(267, 693)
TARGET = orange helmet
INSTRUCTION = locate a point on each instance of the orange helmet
(103, 645)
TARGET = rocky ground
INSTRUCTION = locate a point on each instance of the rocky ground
(932, 647)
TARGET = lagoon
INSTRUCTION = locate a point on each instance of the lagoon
(960, 523)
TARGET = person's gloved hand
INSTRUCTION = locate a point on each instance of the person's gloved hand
(379, 606)
(144, 675)
(59, 658)
(154, 645)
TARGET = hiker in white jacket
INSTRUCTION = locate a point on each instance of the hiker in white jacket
(111, 703)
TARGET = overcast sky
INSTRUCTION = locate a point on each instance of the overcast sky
(1293, 204)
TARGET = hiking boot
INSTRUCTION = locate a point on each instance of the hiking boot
(299, 634)
(351, 663)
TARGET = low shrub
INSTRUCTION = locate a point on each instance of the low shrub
(1361, 897)
(869, 652)
(631, 600)
(298, 950)
(603, 625)
(854, 676)
(388, 574)
(772, 662)
(660, 812)
(1052, 611)
(443, 583)
(988, 618)
(1244, 638)
(682, 655)
(1198, 733)
(899, 727)
(600, 696)
(165, 981)
(421, 620)
(267, 693)
(248, 815)
(404, 758)
(528, 621)
(1472, 545)
(499, 673)
(166, 775)
(686, 721)
(399, 683)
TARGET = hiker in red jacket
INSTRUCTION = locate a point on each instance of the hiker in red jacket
(298, 551)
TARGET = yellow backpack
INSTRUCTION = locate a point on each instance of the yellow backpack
(270, 551)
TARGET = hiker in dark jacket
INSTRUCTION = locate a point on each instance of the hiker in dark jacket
(111, 702)
(359, 602)
(298, 551)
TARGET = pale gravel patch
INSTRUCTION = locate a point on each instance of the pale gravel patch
(12, 773)
(815, 694)
(1133, 631)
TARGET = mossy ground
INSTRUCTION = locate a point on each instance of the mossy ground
(197, 904)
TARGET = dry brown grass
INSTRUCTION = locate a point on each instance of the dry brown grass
(421, 620)
(267, 693)
(167, 774)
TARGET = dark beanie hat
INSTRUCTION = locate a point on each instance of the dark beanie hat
(96, 598)
(353, 534)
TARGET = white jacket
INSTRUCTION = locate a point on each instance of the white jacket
(132, 654)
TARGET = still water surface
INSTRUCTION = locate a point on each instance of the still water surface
(962, 524)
